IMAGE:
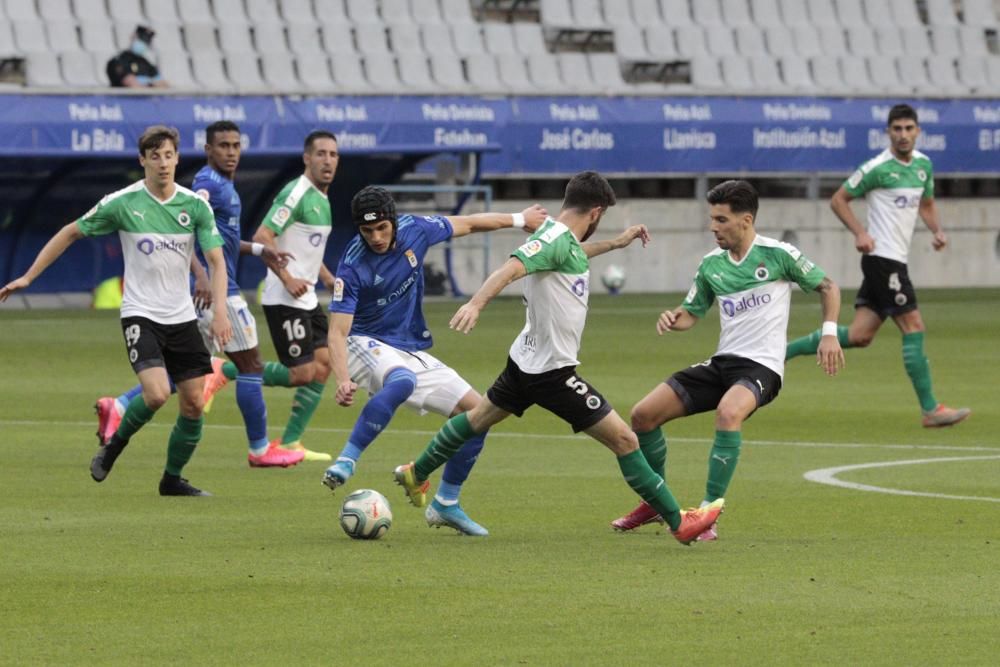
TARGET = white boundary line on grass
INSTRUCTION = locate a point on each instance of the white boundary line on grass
(829, 476)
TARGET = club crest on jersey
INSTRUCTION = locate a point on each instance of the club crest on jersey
(184, 219)
(281, 216)
(922, 175)
(411, 258)
(338, 289)
(761, 272)
(531, 248)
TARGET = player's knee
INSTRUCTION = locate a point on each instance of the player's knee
(300, 375)
(862, 339)
(154, 399)
(728, 418)
(642, 420)
(403, 379)
(625, 442)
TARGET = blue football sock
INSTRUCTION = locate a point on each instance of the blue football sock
(457, 470)
(375, 416)
(250, 399)
(126, 398)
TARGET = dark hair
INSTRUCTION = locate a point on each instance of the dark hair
(373, 204)
(740, 195)
(317, 134)
(901, 111)
(156, 135)
(220, 126)
(144, 33)
(587, 190)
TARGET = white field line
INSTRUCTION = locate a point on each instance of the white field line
(829, 476)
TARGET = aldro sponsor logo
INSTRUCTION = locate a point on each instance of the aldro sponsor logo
(148, 246)
(733, 307)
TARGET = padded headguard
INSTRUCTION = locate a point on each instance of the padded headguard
(373, 204)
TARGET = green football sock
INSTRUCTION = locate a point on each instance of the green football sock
(137, 415)
(276, 375)
(809, 344)
(650, 487)
(303, 406)
(183, 439)
(443, 446)
(918, 368)
(722, 463)
(654, 448)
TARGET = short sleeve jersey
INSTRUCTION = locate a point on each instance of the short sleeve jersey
(754, 297)
(300, 218)
(157, 240)
(556, 292)
(221, 195)
(893, 191)
(385, 291)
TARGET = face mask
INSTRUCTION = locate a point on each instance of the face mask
(140, 48)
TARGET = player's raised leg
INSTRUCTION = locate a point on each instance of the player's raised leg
(397, 386)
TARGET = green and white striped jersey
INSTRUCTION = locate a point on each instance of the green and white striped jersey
(157, 240)
(301, 220)
(893, 191)
(754, 297)
(556, 291)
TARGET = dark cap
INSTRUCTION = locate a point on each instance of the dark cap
(145, 33)
(373, 204)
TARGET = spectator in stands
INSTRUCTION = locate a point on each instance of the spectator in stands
(131, 68)
(898, 185)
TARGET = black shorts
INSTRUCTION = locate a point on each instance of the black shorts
(886, 287)
(703, 385)
(296, 333)
(562, 392)
(177, 347)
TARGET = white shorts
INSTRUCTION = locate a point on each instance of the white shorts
(240, 319)
(439, 388)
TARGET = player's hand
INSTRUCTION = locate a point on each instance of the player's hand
(202, 296)
(12, 287)
(829, 355)
(864, 243)
(297, 286)
(631, 234)
(666, 322)
(275, 260)
(534, 216)
(465, 318)
(940, 240)
(345, 393)
(221, 329)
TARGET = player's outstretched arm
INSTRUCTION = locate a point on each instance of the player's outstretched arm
(466, 317)
(49, 253)
(530, 219)
(221, 328)
(623, 240)
(929, 214)
(678, 319)
(340, 328)
(829, 354)
(327, 277)
(840, 203)
(270, 256)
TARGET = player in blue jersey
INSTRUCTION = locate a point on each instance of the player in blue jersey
(378, 337)
(214, 183)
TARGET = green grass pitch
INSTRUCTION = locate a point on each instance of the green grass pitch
(804, 573)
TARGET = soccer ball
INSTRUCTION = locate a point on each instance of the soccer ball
(613, 278)
(365, 515)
